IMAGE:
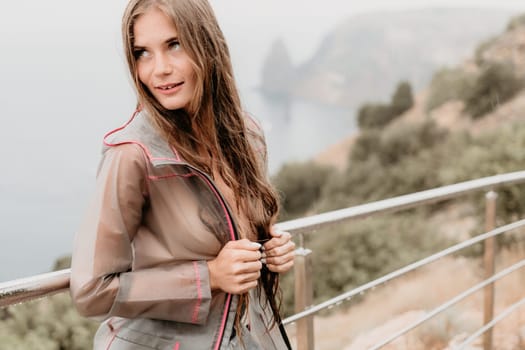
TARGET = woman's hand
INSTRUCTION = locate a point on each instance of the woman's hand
(278, 252)
(237, 267)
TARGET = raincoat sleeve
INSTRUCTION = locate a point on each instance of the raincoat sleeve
(102, 281)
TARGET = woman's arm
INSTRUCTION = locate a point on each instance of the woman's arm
(102, 283)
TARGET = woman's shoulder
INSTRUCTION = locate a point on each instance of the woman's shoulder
(131, 151)
(126, 156)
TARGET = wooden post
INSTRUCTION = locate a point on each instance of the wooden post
(304, 297)
(490, 224)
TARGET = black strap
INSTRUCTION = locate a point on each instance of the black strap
(285, 336)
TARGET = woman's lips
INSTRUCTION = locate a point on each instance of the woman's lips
(168, 89)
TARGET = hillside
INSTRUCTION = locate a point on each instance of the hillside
(472, 147)
(507, 48)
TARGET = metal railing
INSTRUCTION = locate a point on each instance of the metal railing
(302, 226)
(26, 289)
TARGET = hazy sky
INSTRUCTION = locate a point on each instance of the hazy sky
(63, 84)
(294, 18)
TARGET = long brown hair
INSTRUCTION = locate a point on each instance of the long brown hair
(213, 127)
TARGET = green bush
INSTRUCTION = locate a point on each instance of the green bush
(397, 142)
(496, 84)
(300, 186)
(374, 115)
(51, 323)
(366, 144)
(402, 99)
(378, 115)
(346, 256)
(440, 161)
(364, 250)
(407, 140)
(48, 324)
(400, 160)
(448, 84)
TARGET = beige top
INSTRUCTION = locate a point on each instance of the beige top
(241, 218)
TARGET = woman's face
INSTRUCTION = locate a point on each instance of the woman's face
(162, 64)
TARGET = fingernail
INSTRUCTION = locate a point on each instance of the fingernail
(263, 260)
(263, 255)
(256, 245)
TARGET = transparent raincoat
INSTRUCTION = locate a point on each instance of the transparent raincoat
(139, 259)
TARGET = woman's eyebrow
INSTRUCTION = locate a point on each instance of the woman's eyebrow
(167, 41)
(172, 39)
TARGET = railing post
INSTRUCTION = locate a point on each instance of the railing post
(304, 296)
(490, 224)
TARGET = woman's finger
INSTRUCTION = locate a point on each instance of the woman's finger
(284, 249)
(249, 277)
(278, 260)
(247, 267)
(277, 241)
(280, 268)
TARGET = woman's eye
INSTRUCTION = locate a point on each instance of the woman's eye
(174, 45)
(140, 54)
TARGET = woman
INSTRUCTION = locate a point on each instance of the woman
(178, 250)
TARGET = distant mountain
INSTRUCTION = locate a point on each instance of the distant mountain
(366, 55)
(277, 71)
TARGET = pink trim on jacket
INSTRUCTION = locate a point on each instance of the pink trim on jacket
(195, 315)
(224, 320)
(150, 156)
(152, 177)
(111, 341)
(232, 233)
(114, 331)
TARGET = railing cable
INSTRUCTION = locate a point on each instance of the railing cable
(346, 296)
(307, 224)
(490, 324)
(449, 303)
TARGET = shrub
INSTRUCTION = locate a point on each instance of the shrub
(366, 144)
(363, 250)
(448, 84)
(408, 139)
(496, 84)
(374, 115)
(397, 142)
(402, 99)
(377, 115)
(300, 186)
(48, 324)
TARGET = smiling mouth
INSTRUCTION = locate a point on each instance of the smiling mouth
(169, 87)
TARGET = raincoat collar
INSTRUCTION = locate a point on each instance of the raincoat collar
(139, 130)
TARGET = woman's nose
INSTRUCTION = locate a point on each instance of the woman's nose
(163, 65)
